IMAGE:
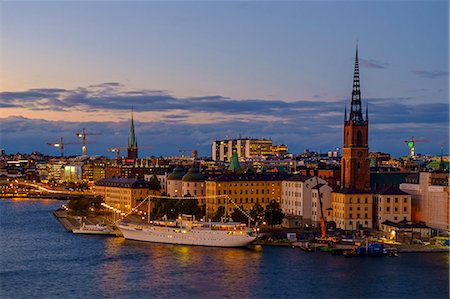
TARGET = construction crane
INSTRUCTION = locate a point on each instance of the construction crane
(61, 145)
(323, 227)
(83, 135)
(411, 145)
(118, 149)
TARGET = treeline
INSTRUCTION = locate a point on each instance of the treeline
(172, 208)
(85, 205)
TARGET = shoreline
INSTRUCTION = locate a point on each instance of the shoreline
(70, 222)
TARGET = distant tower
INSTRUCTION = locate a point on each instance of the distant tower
(355, 166)
(132, 142)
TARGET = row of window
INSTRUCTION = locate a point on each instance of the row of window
(251, 184)
(296, 194)
(245, 200)
(244, 191)
(388, 209)
(388, 200)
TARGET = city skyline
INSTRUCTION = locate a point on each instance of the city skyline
(195, 72)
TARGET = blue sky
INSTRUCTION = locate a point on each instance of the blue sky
(197, 71)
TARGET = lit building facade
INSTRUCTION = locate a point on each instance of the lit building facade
(391, 204)
(175, 183)
(244, 189)
(222, 150)
(352, 209)
(296, 197)
(122, 193)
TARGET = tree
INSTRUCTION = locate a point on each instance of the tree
(273, 213)
(85, 205)
(154, 183)
(257, 213)
(168, 207)
(238, 216)
(219, 214)
(190, 207)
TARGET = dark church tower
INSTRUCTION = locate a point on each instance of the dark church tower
(132, 142)
(355, 165)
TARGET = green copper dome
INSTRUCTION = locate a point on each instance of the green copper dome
(177, 174)
(234, 166)
(193, 175)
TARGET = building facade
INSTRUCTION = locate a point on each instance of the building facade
(391, 204)
(243, 189)
(296, 197)
(430, 198)
(222, 150)
(175, 182)
(122, 193)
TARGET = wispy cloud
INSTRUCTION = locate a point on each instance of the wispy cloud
(430, 74)
(372, 63)
(167, 122)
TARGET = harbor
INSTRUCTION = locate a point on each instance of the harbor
(113, 267)
(72, 222)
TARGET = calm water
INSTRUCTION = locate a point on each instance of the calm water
(40, 259)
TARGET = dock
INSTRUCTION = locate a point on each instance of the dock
(70, 222)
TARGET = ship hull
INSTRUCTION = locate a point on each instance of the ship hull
(199, 237)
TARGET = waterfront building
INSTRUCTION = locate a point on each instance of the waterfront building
(391, 204)
(222, 150)
(244, 189)
(352, 204)
(405, 231)
(122, 193)
(430, 198)
(296, 198)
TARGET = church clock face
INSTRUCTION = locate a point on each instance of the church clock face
(359, 154)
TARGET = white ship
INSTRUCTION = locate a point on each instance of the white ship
(96, 229)
(219, 234)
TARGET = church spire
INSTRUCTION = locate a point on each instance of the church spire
(345, 113)
(132, 142)
(355, 110)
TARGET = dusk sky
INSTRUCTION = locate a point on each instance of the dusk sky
(198, 71)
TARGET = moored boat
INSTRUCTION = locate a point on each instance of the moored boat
(97, 229)
(217, 234)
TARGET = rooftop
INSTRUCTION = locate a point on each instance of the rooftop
(390, 190)
(123, 183)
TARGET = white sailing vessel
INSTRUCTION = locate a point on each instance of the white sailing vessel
(189, 232)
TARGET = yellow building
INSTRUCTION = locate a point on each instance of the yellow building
(391, 204)
(122, 193)
(245, 190)
(352, 209)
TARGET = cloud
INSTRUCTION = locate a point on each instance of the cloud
(167, 122)
(430, 74)
(372, 63)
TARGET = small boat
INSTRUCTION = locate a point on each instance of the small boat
(97, 229)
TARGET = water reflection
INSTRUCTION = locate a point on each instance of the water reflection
(176, 270)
